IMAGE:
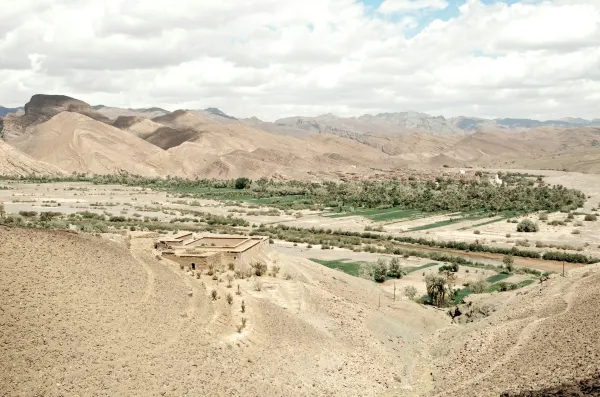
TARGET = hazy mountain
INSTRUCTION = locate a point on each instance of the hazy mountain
(407, 123)
(4, 111)
(218, 112)
(113, 113)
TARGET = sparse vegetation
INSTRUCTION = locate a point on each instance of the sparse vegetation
(214, 294)
(509, 262)
(260, 268)
(527, 226)
(410, 292)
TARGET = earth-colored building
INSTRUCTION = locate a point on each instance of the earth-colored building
(216, 250)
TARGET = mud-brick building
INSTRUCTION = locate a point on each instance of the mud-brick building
(216, 250)
(178, 240)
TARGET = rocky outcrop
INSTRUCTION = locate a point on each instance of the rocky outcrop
(41, 108)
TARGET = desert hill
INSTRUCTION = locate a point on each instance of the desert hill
(91, 315)
(77, 143)
(41, 108)
(15, 163)
(211, 143)
(544, 337)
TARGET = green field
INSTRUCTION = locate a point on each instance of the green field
(495, 286)
(379, 214)
(497, 277)
(502, 217)
(467, 216)
(345, 265)
(417, 268)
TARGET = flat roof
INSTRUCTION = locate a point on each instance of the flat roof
(196, 255)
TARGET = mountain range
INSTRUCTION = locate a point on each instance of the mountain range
(60, 134)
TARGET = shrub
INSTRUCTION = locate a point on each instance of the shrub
(257, 286)
(476, 232)
(380, 270)
(410, 291)
(28, 214)
(48, 216)
(527, 226)
(453, 267)
(509, 262)
(570, 216)
(576, 231)
(229, 298)
(260, 268)
(214, 294)
(578, 224)
(508, 235)
(243, 306)
(543, 217)
(590, 218)
(275, 270)
(242, 183)
(479, 287)
(395, 270)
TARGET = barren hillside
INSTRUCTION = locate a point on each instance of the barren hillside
(74, 142)
(544, 336)
(15, 163)
(90, 317)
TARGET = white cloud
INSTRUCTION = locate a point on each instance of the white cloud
(400, 6)
(275, 58)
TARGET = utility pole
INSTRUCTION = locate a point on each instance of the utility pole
(379, 306)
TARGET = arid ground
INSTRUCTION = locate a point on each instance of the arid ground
(102, 314)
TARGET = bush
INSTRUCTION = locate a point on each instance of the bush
(509, 262)
(229, 298)
(590, 218)
(527, 226)
(214, 294)
(479, 287)
(259, 268)
(28, 214)
(242, 183)
(476, 232)
(570, 216)
(453, 267)
(380, 270)
(410, 291)
(543, 217)
(395, 270)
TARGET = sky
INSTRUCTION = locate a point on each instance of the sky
(535, 59)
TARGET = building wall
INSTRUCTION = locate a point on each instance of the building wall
(201, 262)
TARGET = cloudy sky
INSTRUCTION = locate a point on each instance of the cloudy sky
(277, 58)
